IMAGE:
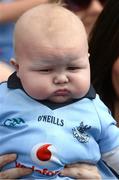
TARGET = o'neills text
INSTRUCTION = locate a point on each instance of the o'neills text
(44, 171)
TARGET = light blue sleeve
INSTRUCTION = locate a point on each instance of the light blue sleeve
(3, 100)
(109, 138)
(1, 97)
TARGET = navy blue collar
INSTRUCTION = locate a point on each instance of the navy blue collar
(15, 83)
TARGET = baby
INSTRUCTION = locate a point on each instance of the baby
(50, 115)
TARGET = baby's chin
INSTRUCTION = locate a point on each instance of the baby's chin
(60, 99)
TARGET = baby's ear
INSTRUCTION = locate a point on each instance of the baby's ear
(14, 64)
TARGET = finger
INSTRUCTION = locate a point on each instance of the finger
(4, 159)
(81, 171)
(81, 165)
(71, 172)
(15, 173)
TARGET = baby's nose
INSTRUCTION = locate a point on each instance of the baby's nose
(61, 79)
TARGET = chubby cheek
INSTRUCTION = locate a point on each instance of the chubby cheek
(36, 88)
(81, 87)
(35, 91)
(115, 77)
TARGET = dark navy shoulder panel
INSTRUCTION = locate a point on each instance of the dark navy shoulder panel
(14, 82)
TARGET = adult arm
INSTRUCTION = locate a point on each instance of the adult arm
(112, 159)
(5, 71)
(10, 12)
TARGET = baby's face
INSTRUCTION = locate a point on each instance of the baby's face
(58, 75)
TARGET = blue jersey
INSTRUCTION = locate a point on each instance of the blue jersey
(49, 136)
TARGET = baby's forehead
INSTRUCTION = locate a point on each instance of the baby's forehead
(50, 24)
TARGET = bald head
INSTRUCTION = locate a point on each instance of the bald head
(51, 44)
(49, 25)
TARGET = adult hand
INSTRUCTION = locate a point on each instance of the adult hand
(13, 173)
(81, 171)
(77, 171)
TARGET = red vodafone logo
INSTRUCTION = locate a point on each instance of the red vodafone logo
(45, 156)
(43, 153)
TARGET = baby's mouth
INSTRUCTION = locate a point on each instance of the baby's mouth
(62, 92)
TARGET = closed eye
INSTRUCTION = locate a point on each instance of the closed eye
(72, 68)
(45, 70)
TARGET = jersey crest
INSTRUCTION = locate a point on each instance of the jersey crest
(79, 132)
